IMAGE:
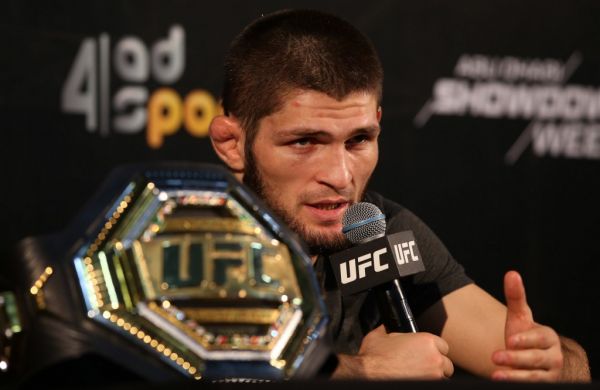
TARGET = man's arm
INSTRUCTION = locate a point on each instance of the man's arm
(479, 334)
(472, 322)
(390, 356)
(575, 366)
(503, 342)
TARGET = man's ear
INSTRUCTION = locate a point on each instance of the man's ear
(379, 113)
(228, 140)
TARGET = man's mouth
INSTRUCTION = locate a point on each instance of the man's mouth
(328, 211)
(328, 206)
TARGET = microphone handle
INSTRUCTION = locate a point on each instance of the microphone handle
(395, 312)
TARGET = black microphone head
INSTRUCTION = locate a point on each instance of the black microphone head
(363, 222)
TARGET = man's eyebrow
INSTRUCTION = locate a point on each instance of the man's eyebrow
(370, 130)
(307, 132)
(301, 132)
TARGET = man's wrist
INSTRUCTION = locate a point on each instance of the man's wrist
(575, 362)
(348, 366)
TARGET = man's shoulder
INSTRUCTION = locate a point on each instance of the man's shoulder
(397, 216)
(387, 206)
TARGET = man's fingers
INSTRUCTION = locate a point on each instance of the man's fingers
(539, 337)
(448, 367)
(442, 345)
(519, 317)
(515, 292)
(525, 375)
(529, 359)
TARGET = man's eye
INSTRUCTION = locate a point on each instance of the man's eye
(359, 139)
(302, 142)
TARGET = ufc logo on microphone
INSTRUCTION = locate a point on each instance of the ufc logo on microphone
(405, 252)
(375, 262)
(349, 269)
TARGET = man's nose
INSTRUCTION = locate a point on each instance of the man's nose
(336, 168)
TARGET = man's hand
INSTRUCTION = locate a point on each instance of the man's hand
(386, 356)
(533, 351)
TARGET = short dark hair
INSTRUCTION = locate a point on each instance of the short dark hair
(296, 49)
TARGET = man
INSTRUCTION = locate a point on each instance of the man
(302, 110)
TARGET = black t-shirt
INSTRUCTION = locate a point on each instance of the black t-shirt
(352, 317)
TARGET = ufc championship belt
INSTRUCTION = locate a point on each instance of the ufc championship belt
(173, 270)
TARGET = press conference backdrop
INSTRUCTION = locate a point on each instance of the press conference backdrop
(491, 122)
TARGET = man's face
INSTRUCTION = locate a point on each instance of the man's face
(312, 159)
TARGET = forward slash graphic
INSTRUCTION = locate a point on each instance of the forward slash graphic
(526, 137)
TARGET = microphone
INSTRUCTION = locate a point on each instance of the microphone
(378, 261)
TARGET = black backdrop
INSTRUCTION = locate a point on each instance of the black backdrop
(491, 122)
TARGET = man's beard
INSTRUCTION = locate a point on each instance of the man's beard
(317, 243)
